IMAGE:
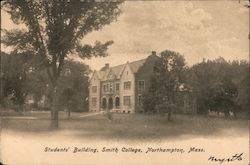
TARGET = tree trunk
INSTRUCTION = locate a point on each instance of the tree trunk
(54, 110)
(169, 115)
(68, 113)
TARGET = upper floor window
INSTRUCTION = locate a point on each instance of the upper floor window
(104, 88)
(141, 84)
(94, 89)
(126, 100)
(107, 87)
(127, 85)
(111, 87)
(117, 86)
(156, 69)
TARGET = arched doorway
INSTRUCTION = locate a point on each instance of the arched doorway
(117, 102)
(110, 105)
(104, 103)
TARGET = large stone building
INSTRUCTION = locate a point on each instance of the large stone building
(120, 88)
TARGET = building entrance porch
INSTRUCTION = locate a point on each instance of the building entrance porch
(111, 104)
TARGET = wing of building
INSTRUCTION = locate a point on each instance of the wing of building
(120, 88)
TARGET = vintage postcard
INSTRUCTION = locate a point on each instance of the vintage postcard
(154, 82)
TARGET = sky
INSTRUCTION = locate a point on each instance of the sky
(195, 29)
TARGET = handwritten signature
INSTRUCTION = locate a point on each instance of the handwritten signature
(236, 157)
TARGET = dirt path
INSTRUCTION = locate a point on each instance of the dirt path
(37, 116)
(90, 114)
(19, 117)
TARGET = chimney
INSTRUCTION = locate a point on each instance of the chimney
(154, 53)
(107, 65)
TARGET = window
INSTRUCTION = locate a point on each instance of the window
(107, 88)
(117, 102)
(126, 100)
(104, 103)
(127, 85)
(94, 89)
(104, 88)
(117, 86)
(111, 87)
(140, 100)
(141, 84)
(94, 101)
(156, 69)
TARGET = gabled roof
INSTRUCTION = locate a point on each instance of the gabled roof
(136, 65)
(100, 74)
(116, 71)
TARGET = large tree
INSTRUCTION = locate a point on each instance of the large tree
(164, 84)
(54, 30)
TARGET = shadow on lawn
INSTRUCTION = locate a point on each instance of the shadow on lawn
(134, 127)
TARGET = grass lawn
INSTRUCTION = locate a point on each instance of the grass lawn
(130, 126)
(24, 140)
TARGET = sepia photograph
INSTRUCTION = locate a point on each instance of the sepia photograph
(124, 82)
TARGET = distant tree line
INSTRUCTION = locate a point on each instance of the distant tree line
(22, 77)
(220, 85)
(211, 85)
